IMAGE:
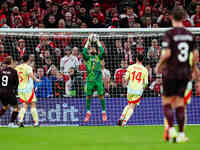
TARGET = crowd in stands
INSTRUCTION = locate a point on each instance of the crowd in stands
(57, 58)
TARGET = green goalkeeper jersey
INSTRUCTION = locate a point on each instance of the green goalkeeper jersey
(93, 64)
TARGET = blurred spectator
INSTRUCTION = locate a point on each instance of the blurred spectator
(191, 7)
(106, 78)
(128, 51)
(96, 23)
(16, 20)
(148, 22)
(120, 72)
(68, 19)
(43, 89)
(46, 45)
(140, 48)
(20, 50)
(82, 67)
(83, 15)
(147, 13)
(164, 21)
(154, 51)
(75, 52)
(131, 21)
(156, 86)
(3, 19)
(68, 61)
(196, 17)
(187, 22)
(51, 22)
(62, 39)
(3, 55)
(98, 13)
(57, 79)
(76, 83)
(26, 15)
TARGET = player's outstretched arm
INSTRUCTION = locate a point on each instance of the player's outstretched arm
(164, 57)
(84, 52)
(34, 77)
(96, 39)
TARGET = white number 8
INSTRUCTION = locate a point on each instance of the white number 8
(183, 47)
(4, 81)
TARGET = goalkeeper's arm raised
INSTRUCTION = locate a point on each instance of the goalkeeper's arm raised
(84, 52)
(96, 39)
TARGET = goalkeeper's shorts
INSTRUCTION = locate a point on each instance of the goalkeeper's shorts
(133, 99)
(27, 97)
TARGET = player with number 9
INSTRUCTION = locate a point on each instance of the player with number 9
(137, 77)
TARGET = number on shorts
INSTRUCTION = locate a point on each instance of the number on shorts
(4, 80)
(183, 47)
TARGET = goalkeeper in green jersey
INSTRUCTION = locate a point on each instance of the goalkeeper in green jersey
(94, 75)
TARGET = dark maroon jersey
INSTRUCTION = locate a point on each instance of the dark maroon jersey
(181, 42)
(8, 80)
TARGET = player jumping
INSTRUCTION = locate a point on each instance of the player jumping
(8, 89)
(137, 77)
(174, 64)
(94, 74)
(26, 90)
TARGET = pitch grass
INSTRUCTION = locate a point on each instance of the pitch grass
(94, 138)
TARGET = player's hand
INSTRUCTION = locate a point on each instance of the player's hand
(90, 38)
(95, 37)
(38, 80)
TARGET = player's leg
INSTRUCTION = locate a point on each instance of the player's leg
(125, 110)
(100, 91)
(4, 101)
(123, 115)
(180, 118)
(133, 100)
(13, 116)
(131, 107)
(13, 102)
(21, 114)
(34, 114)
(89, 93)
(103, 105)
(168, 114)
(187, 100)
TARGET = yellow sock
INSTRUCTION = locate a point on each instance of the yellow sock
(34, 115)
(128, 114)
(166, 123)
(21, 114)
(124, 112)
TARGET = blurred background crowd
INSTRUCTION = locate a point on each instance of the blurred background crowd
(57, 59)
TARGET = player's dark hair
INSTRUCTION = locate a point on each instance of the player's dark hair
(178, 13)
(140, 57)
(25, 58)
(8, 60)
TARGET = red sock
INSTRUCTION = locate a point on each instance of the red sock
(168, 113)
(180, 117)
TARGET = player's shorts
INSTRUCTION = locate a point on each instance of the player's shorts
(133, 99)
(27, 97)
(8, 98)
(174, 87)
(91, 86)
